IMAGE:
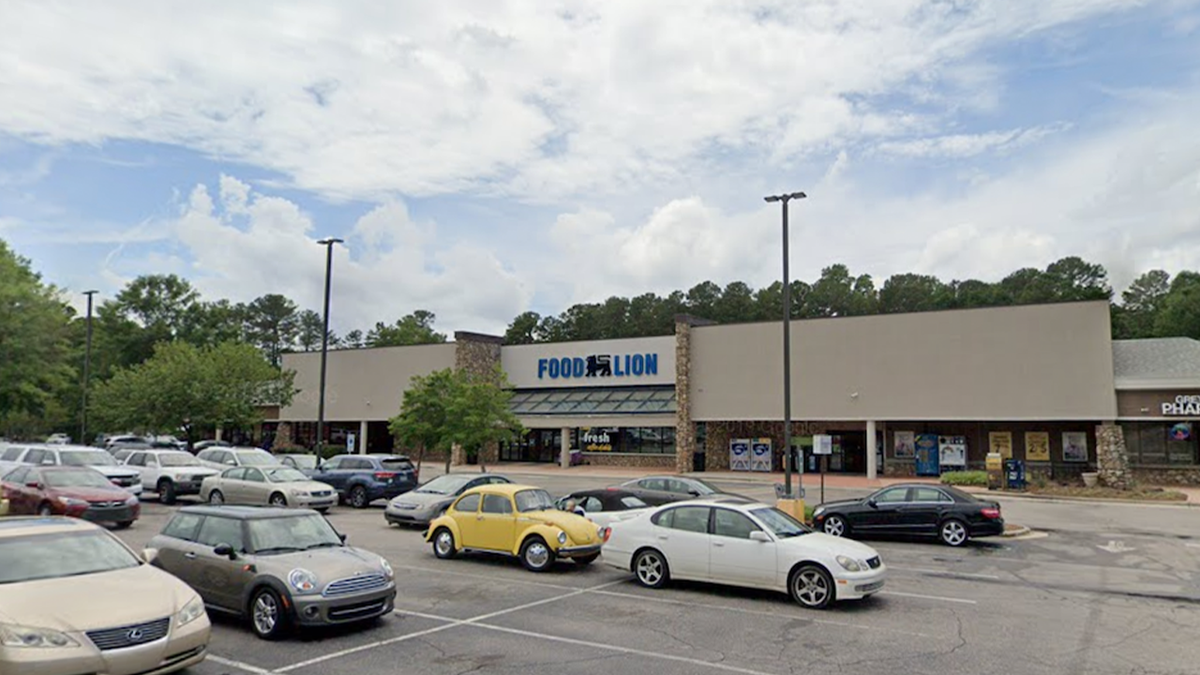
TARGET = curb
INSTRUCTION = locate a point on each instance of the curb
(1019, 531)
(1084, 500)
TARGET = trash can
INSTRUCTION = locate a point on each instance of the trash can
(1014, 474)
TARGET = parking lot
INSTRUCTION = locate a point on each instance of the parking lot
(1062, 602)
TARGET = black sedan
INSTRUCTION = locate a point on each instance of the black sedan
(914, 509)
(659, 490)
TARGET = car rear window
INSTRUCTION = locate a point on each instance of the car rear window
(397, 464)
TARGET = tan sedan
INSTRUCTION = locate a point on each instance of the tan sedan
(268, 485)
(136, 620)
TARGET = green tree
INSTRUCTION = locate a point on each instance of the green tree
(1180, 314)
(422, 421)
(736, 304)
(972, 293)
(1074, 279)
(183, 386)
(913, 293)
(273, 324)
(702, 299)
(308, 335)
(837, 293)
(36, 359)
(414, 329)
(354, 340)
(523, 330)
(1141, 305)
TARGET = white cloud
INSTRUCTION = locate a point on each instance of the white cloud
(363, 99)
(968, 145)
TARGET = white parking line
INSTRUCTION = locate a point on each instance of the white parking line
(1192, 545)
(230, 663)
(490, 578)
(939, 598)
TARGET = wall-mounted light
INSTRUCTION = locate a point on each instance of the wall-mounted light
(854, 395)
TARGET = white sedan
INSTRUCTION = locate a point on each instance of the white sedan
(731, 541)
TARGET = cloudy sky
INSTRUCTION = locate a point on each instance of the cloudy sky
(484, 158)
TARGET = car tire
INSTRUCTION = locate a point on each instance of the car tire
(278, 500)
(811, 586)
(216, 498)
(954, 532)
(443, 544)
(45, 510)
(650, 569)
(835, 526)
(585, 560)
(536, 555)
(358, 497)
(166, 491)
(125, 525)
(268, 615)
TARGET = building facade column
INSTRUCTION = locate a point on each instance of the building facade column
(362, 437)
(872, 458)
(478, 354)
(564, 448)
(685, 428)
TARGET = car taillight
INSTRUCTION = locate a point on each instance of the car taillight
(990, 512)
(384, 475)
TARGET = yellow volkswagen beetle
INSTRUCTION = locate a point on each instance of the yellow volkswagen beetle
(519, 520)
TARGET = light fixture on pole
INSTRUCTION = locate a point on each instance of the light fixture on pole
(87, 371)
(787, 349)
(328, 243)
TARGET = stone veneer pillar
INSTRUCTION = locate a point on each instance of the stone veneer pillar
(478, 354)
(1112, 458)
(685, 429)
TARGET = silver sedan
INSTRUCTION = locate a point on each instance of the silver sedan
(427, 502)
(275, 486)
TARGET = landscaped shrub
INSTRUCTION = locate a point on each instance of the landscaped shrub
(979, 478)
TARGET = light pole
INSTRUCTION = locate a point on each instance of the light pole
(87, 371)
(328, 243)
(787, 349)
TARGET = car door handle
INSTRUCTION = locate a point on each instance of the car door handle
(718, 544)
(190, 556)
(479, 517)
(662, 537)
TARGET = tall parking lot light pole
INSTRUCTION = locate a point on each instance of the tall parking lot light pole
(787, 348)
(87, 371)
(328, 244)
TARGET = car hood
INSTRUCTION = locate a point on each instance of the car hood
(422, 499)
(115, 471)
(819, 542)
(118, 598)
(91, 494)
(579, 529)
(329, 564)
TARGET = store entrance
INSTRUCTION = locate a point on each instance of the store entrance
(849, 452)
(538, 445)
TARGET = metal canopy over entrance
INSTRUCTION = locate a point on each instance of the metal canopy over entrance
(598, 401)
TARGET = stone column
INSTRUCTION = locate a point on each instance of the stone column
(564, 448)
(685, 429)
(872, 469)
(1112, 458)
(362, 437)
(478, 354)
(457, 456)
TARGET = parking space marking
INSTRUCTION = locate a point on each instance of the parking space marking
(940, 598)
(1192, 545)
(362, 648)
(230, 663)
(493, 579)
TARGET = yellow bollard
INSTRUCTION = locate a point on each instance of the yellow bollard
(792, 507)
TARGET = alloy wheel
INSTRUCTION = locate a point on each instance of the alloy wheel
(810, 587)
(266, 614)
(954, 533)
(650, 569)
(278, 500)
(835, 526)
(215, 497)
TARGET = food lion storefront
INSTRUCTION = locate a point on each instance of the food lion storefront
(901, 394)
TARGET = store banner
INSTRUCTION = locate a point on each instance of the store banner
(1001, 442)
(739, 454)
(1075, 446)
(926, 450)
(598, 439)
(952, 452)
(761, 458)
(905, 444)
(1037, 446)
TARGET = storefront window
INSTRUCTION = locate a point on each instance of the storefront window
(1162, 443)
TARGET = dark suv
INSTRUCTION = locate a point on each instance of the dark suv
(361, 479)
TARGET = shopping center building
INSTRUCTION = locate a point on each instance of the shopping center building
(901, 394)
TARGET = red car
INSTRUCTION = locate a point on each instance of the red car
(79, 492)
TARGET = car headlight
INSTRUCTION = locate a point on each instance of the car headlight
(302, 580)
(299, 493)
(849, 564)
(71, 501)
(132, 501)
(27, 636)
(387, 568)
(818, 511)
(562, 537)
(191, 611)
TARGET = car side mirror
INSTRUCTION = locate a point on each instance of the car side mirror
(149, 555)
(225, 550)
(872, 503)
(694, 493)
(759, 535)
(34, 484)
(342, 536)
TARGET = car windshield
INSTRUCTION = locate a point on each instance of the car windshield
(445, 485)
(304, 461)
(256, 459)
(87, 458)
(534, 500)
(75, 478)
(50, 556)
(284, 474)
(292, 533)
(779, 523)
(703, 487)
(177, 459)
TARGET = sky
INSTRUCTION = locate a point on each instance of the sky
(481, 159)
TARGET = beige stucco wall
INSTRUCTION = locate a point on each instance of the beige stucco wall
(361, 384)
(1044, 362)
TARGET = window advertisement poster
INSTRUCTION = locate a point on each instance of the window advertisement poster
(1180, 432)
(905, 445)
(598, 439)
(739, 454)
(926, 450)
(1001, 442)
(761, 458)
(1075, 446)
(952, 451)
(1037, 446)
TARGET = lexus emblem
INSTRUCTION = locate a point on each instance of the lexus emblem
(135, 634)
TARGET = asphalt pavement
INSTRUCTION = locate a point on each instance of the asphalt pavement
(1094, 589)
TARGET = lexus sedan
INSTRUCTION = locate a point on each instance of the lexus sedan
(274, 485)
(915, 509)
(279, 568)
(740, 543)
(79, 492)
(74, 599)
(431, 500)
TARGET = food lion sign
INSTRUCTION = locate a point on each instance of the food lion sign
(598, 365)
(1183, 405)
